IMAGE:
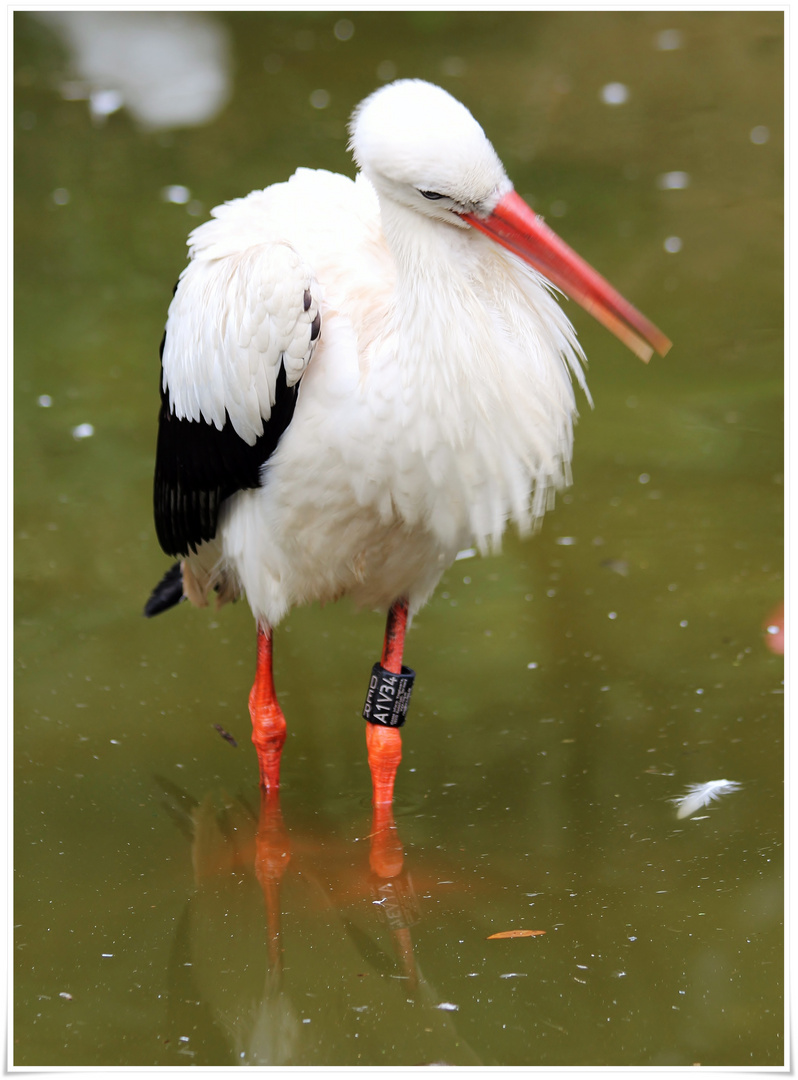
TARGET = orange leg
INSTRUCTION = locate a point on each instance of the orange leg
(268, 722)
(384, 744)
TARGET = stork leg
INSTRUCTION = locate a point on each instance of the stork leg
(268, 722)
(384, 743)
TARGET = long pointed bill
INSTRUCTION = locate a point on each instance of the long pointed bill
(516, 226)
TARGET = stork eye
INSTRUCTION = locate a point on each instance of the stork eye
(432, 194)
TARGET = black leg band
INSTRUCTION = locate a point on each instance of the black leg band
(388, 697)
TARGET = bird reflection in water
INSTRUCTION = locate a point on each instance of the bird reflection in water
(351, 988)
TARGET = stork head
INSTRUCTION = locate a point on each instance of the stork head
(422, 149)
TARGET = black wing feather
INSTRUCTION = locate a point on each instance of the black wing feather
(197, 467)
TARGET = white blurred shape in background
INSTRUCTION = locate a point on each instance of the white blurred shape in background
(169, 69)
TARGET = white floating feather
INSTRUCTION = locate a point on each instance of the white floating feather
(700, 795)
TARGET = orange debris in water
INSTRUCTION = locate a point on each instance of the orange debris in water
(516, 933)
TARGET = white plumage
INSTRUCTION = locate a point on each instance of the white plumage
(437, 406)
(434, 370)
(700, 795)
(233, 320)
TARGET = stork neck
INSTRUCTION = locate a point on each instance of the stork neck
(426, 251)
(441, 299)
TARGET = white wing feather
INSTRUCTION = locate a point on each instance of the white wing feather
(240, 310)
(700, 795)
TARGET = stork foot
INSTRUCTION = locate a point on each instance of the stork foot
(384, 746)
(268, 735)
(268, 722)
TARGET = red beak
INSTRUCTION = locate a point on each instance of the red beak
(516, 226)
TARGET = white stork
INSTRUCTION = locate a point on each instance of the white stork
(362, 377)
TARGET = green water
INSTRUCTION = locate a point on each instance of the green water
(566, 690)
